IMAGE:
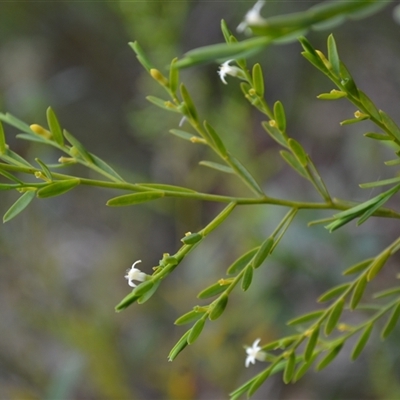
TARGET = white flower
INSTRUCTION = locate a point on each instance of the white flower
(254, 353)
(252, 17)
(226, 69)
(135, 274)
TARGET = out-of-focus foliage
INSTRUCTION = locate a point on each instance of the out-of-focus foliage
(63, 260)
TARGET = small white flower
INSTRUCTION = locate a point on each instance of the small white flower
(226, 69)
(254, 353)
(252, 17)
(134, 274)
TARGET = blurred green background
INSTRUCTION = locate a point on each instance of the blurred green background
(62, 262)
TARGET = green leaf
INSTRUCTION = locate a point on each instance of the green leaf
(189, 102)
(223, 51)
(19, 205)
(247, 277)
(135, 198)
(312, 342)
(173, 76)
(141, 56)
(105, 167)
(332, 95)
(241, 262)
(304, 367)
(298, 152)
(57, 188)
(261, 378)
(263, 252)
(333, 55)
(179, 346)
(79, 147)
(184, 135)
(334, 292)
(275, 134)
(380, 183)
(334, 317)
(358, 292)
(15, 122)
(369, 105)
(15, 159)
(212, 290)
(217, 166)
(387, 292)
(167, 188)
(289, 369)
(279, 115)
(45, 169)
(348, 81)
(311, 316)
(294, 163)
(391, 323)
(329, 357)
(246, 176)
(3, 146)
(161, 103)
(368, 213)
(359, 267)
(378, 264)
(196, 331)
(362, 341)
(390, 124)
(54, 126)
(190, 316)
(218, 307)
(33, 138)
(258, 80)
(149, 293)
(127, 301)
(225, 31)
(219, 145)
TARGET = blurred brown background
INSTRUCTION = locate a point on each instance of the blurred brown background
(63, 260)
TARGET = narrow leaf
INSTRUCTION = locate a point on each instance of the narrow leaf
(78, 146)
(189, 317)
(15, 122)
(196, 330)
(390, 125)
(304, 367)
(259, 381)
(105, 167)
(279, 115)
(333, 293)
(312, 342)
(167, 188)
(135, 198)
(275, 134)
(329, 357)
(149, 293)
(57, 188)
(218, 307)
(184, 135)
(179, 346)
(362, 341)
(241, 262)
(289, 369)
(334, 317)
(173, 76)
(219, 145)
(378, 264)
(369, 105)
(189, 102)
(333, 55)
(141, 56)
(298, 152)
(359, 267)
(3, 146)
(263, 252)
(192, 238)
(258, 80)
(19, 205)
(311, 316)
(161, 103)
(212, 290)
(247, 277)
(54, 126)
(387, 292)
(217, 166)
(391, 323)
(294, 163)
(358, 292)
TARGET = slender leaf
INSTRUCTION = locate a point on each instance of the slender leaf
(179, 346)
(217, 166)
(334, 317)
(333, 293)
(329, 357)
(19, 205)
(196, 331)
(247, 277)
(298, 152)
(294, 163)
(3, 145)
(391, 323)
(333, 55)
(311, 316)
(378, 264)
(258, 80)
(263, 252)
(54, 126)
(57, 188)
(189, 317)
(289, 369)
(279, 115)
(387, 292)
(312, 342)
(358, 292)
(241, 262)
(362, 341)
(359, 267)
(135, 198)
(218, 307)
(212, 290)
(219, 145)
(78, 146)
